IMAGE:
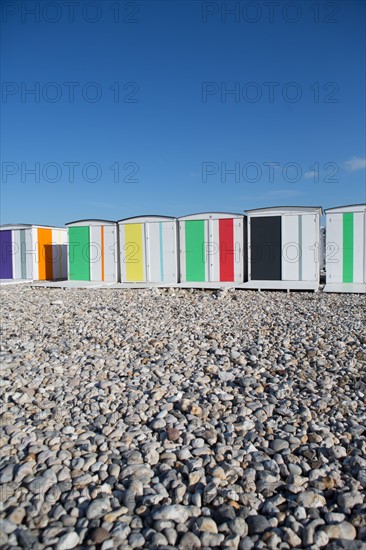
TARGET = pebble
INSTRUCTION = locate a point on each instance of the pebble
(238, 526)
(210, 540)
(174, 512)
(321, 539)
(25, 538)
(257, 524)
(68, 541)
(206, 525)
(97, 508)
(310, 499)
(291, 537)
(343, 530)
(350, 499)
(8, 526)
(17, 515)
(173, 434)
(189, 540)
(99, 535)
(136, 540)
(279, 445)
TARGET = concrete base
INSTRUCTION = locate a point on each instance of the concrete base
(14, 281)
(353, 288)
(249, 285)
(281, 285)
(71, 284)
(142, 285)
(208, 285)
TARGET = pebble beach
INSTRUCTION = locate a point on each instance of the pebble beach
(172, 418)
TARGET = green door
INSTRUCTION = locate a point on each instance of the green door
(79, 253)
(195, 253)
(348, 247)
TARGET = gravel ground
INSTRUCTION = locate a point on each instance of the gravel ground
(182, 419)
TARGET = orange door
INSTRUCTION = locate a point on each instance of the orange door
(45, 270)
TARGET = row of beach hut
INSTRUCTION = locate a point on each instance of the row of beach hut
(267, 248)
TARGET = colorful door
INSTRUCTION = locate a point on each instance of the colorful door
(348, 236)
(79, 253)
(265, 248)
(45, 254)
(212, 250)
(346, 247)
(133, 252)
(359, 247)
(227, 250)
(6, 260)
(195, 260)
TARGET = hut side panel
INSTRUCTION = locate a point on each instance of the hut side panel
(154, 258)
(291, 251)
(161, 250)
(109, 246)
(359, 247)
(59, 253)
(300, 247)
(169, 251)
(334, 245)
(309, 261)
(25, 254)
(96, 253)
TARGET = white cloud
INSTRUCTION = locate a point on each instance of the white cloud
(356, 163)
(312, 175)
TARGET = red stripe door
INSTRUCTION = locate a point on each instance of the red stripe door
(226, 236)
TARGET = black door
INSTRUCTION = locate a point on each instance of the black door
(265, 243)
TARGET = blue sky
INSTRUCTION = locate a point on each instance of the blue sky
(132, 111)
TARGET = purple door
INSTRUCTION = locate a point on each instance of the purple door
(6, 259)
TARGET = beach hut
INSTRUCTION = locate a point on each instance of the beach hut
(345, 255)
(93, 251)
(212, 248)
(148, 249)
(284, 247)
(33, 252)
